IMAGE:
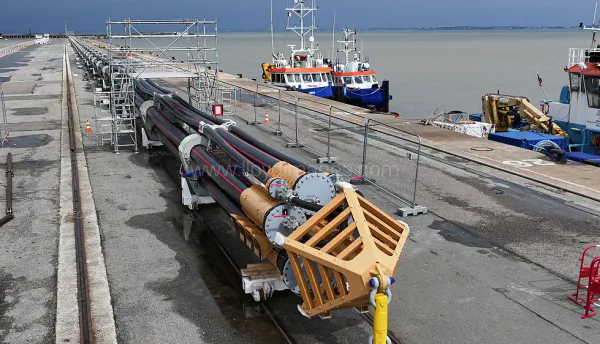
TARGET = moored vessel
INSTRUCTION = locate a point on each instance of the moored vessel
(306, 70)
(354, 81)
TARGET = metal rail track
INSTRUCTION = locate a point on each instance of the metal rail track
(9, 191)
(265, 308)
(85, 322)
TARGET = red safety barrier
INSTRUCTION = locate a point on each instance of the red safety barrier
(593, 289)
(584, 273)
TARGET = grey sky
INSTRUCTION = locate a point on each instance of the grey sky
(90, 15)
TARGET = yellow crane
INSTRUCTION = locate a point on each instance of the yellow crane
(505, 111)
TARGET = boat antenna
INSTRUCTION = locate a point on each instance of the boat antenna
(272, 38)
(595, 11)
(594, 25)
(362, 48)
(333, 39)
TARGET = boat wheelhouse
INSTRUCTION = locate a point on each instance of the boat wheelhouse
(578, 110)
(305, 70)
(355, 82)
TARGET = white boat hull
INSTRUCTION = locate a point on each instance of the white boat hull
(477, 129)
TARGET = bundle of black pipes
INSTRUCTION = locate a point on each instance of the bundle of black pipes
(216, 177)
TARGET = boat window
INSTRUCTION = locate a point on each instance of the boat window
(289, 78)
(358, 79)
(347, 80)
(374, 78)
(316, 77)
(297, 77)
(326, 77)
(575, 81)
(366, 78)
(592, 87)
(306, 77)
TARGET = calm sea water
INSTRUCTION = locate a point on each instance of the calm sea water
(427, 70)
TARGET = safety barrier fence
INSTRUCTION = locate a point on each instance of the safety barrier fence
(390, 155)
(14, 48)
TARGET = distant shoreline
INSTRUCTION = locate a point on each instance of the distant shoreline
(438, 28)
(434, 28)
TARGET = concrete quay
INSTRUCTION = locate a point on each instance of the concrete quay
(492, 261)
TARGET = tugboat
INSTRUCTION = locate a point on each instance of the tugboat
(305, 70)
(355, 82)
(578, 110)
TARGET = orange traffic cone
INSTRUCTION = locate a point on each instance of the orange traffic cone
(267, 118)
(88, 129)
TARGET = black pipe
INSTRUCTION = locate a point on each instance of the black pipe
(244, 136)
(220, 197)
(226, 180)
(253, 161)
(248, 165)
(306, 204)
(172, 132)
(218, 173)
(166, 142)
(240, 133)
(249, 150)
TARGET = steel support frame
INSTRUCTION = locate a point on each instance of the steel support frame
(198, 41)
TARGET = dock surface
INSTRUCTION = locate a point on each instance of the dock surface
(492, 261)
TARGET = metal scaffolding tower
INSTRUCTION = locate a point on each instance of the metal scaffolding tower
(159, 49)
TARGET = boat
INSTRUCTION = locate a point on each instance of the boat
(511, 120)
(578, 109)
(306, 70)
(461, 122)
(354, 81)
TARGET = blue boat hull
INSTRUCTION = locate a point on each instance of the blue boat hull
(378, 98)
(580, 137)
(323, 92)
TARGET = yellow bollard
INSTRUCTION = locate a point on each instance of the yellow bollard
(380, 319)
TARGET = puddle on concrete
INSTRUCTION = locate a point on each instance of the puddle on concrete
(4, 78)
(204, 274)
(452, 233)
(28, 141)
(29, 111)
(33, 168)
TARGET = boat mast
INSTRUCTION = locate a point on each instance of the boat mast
(333, 40)
(301, 11)
(272, 38)
(348, 44)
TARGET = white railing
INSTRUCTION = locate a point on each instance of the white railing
(579, 55)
